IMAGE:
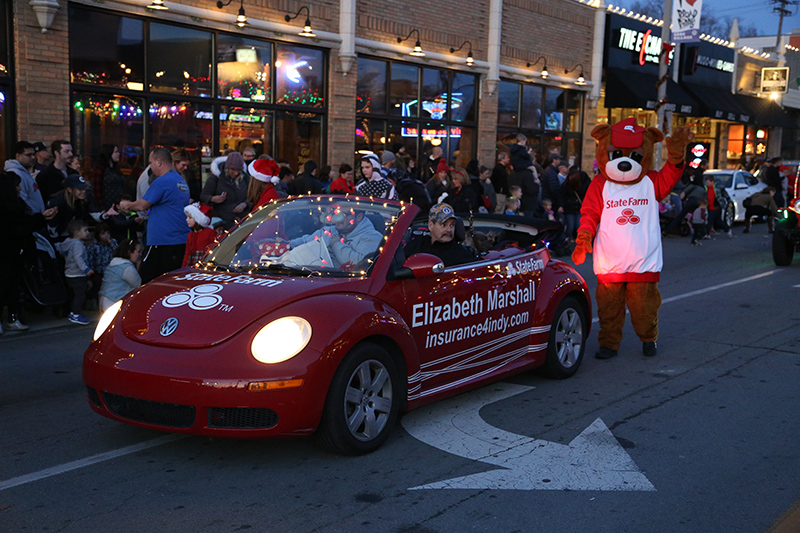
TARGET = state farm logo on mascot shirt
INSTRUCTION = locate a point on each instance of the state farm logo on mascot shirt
(627, 217)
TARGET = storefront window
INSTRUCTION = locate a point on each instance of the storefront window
(434, 104)
(175, 124)
(240, 127)
(554, 110)
(298, 138)
(434, 94)
(243, 69)
(574, 106)
(106, 49)
(531, 107)
(110, 119)
(462, 139)
(403, 133)
(179, 60)
(371, 86)
(549, 117)
(403, 90)
(462, 99)
(370, 135)
(300, 76)
(508, 104)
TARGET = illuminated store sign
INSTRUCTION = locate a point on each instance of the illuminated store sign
(429, 132)
(712, 62)
(646, 44)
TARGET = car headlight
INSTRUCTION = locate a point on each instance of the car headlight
(281, 339)
(106, 319)
(797, 206)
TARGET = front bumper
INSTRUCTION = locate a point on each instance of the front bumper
(203, 391)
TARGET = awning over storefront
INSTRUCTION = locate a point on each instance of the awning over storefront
(632, 89)
(723, 105)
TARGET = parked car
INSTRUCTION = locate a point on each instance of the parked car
(738, 185)
(273, 334)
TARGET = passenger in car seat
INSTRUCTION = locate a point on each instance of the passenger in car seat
(442, 241)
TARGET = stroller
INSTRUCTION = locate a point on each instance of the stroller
(42, 276)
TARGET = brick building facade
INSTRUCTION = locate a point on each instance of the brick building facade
(56, 95)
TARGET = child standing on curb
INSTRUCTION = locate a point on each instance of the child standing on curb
(76, 270)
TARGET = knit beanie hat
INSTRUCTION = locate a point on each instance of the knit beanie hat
(235, 161)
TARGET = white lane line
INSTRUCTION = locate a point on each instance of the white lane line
(88, 461)
(708, 289)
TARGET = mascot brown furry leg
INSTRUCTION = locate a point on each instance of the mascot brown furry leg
(620, 214)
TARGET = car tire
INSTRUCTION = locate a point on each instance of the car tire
(567, 341)
(782, 249)
(730, 215)
(362, 403)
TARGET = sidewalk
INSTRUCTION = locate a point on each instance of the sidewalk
(44, 319)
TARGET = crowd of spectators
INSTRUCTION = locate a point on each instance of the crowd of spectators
(112, 229)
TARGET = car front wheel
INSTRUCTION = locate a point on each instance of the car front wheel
(567, 340)
(782, 249)
(362, 402)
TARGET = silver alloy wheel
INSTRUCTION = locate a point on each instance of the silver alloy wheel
(569, 337)
(368, 400)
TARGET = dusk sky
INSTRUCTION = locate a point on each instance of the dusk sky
(756, 13)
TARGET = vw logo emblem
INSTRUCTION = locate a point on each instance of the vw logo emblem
(168, 327)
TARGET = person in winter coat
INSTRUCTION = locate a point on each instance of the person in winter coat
(572, 194)
(761, 204)
(227, 193)
(374, 183)
(73, 203)
(76, 269)
(22, 166)
(201, 234)
(16, 239)
(437, 184)
(523, 176)
(121, 276)
(108, 182)
(460, 194)
(345, 183)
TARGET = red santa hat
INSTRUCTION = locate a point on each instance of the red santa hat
(200, 213)
(266, 170)
(627, 134)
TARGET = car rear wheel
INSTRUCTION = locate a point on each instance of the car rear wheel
(782, 249)
(567, 340)
(730, 214)
(362, 402)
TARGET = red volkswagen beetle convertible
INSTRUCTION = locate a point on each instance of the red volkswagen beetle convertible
(309, 318)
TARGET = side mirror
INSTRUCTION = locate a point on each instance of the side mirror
(420, 266)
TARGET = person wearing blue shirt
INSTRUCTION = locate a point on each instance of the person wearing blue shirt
(166, 224)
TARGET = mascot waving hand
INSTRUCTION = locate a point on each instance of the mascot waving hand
(620, 213)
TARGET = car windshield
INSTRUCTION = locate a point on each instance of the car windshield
(723, 179)
(315, 235)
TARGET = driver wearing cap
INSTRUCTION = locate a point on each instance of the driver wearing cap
(441, 241)
(347, 233)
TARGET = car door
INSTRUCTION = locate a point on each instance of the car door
(738, 191)
(472, 321)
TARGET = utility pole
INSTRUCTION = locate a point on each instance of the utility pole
(662, 72)
(781, 9)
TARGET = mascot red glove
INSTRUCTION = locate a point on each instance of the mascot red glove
(620, 213)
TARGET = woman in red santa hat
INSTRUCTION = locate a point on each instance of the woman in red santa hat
(263, 178)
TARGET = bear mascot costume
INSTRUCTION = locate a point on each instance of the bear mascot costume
(620, 213)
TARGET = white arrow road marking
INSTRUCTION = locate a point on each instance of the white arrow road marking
(594, 460)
